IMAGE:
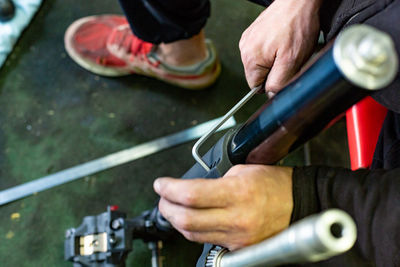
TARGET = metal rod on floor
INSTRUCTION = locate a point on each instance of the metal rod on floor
(109, 161)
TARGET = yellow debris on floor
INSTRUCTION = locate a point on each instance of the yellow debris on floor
(10, 235)
(15, 216)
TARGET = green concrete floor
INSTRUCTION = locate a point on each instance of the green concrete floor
(54, 115)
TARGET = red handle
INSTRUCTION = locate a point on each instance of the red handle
(364, 122)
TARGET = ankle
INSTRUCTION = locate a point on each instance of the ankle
(184, 52)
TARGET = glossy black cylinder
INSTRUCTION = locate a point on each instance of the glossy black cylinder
(296, 114)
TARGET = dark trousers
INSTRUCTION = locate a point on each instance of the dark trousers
(165, 21)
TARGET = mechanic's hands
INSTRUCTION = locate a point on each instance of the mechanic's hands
(247, 205)
(279, 42)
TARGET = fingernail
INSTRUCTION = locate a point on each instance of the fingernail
(157, 185)
(271, 94)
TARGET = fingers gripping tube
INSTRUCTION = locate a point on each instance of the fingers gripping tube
(340, 76)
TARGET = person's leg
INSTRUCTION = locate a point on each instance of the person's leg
(175, 48)
(174, 24)
(166, 21)
(184, 52)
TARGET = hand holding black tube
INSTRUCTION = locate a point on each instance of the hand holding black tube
(250, 203)
(279, 41)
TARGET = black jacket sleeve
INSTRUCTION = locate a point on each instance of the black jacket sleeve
(372, 198)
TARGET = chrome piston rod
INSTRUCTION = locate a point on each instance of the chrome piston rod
(315, 238)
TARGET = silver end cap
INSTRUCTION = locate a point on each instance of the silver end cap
(366, 56)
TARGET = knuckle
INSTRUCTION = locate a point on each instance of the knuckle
(247, 192)
(243, 38)
(273, 86)
(161, 206)
(243, 195)
(243, 224)
(190, 198)
(289, 58)
(286, 57)
(241, 43)
(238, 167)
(184, 222)
(246, 61)
(189, 235)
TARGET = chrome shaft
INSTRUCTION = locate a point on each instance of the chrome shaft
(315, 238)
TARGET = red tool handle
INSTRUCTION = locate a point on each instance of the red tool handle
(364, 122)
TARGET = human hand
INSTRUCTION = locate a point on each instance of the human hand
(279, 42)
(249, 204)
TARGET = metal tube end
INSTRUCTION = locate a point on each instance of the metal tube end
(366, 56)
(337, 233)
(315, 238)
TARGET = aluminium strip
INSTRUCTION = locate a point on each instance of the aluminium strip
(109, 161)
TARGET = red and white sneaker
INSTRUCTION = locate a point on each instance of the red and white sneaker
(105, 45)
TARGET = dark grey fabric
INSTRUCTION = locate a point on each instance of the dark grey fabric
(372, 198)
(382, 14)
(387, 151)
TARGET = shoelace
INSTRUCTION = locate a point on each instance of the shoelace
(132, 45)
